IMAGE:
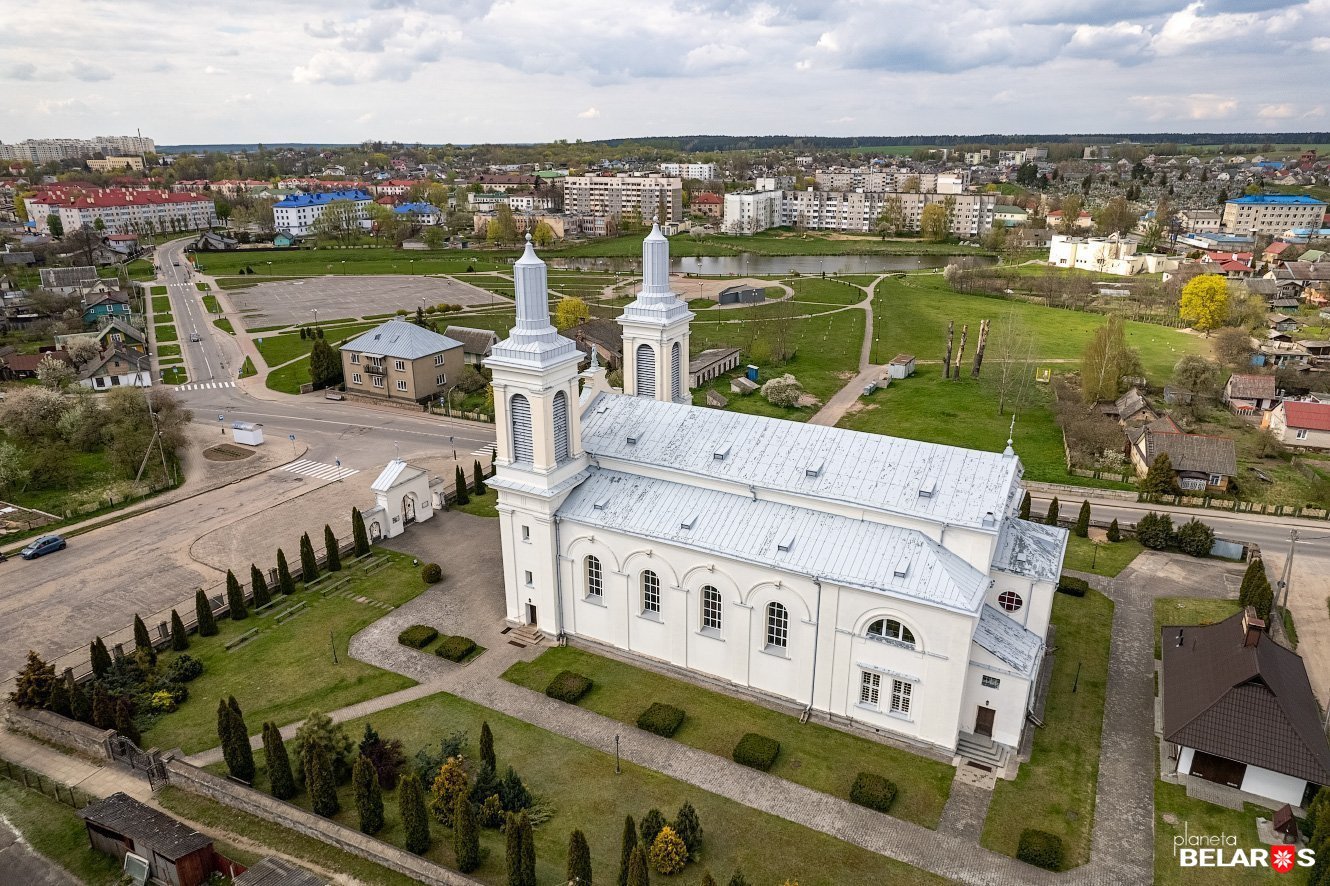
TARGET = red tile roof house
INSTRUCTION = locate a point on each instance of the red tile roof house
(1239, 712)
(1299, 423)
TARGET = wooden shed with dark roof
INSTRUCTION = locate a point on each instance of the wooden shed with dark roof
(176, 854)
(1239, 711)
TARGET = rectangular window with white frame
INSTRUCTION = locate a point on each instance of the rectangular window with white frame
(440, 380)
(401, 384)
(438, 359)
(870, 689)
(355, 378)
(990, 682)
(1301, 434)
(355, 359)
(900, 696)
(378, 381)
(399, 365)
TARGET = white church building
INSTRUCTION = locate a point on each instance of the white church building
(882, 581)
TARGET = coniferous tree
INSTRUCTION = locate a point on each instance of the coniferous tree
(226, 735)
(235, 737)
(235, 598)
(259, 585)
(1082, 528)
(1159, 479)
(32, 688)
(1052, 517)
(369, 798)
(650, 826)
(528, 850)
(360, 538)
(103, 708)
(626, 848)
(459, 480)
(466, 835)
(513, 851)
(141, 638)
(1249, 581)
(101, 659)
(309, 565)
(579, 860)
(1025, 514)
(1114, 533)
(285, 583)
(58, 701)
(738, 879)
(281, 781)
(477, 479)
(80, 705)
(334, 554)
(320, 782)
(415, 819)
(487, 747)
(637, 868)
(689, 828)
(124, 721)
(179, 636)
(203, 614)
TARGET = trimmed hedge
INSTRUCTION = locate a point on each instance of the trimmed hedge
(1072, 586)
(756, 751)
(662, 719)
(417, 636)
(1041, 849)
(432, 573)
(568, 686)
(873, 791)
(456, 648)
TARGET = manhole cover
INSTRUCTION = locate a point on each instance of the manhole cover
(227, 452)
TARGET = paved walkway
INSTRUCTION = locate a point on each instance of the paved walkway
(841, 401)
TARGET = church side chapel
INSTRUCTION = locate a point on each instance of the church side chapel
(885, 581)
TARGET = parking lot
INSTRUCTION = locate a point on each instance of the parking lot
(294, 301)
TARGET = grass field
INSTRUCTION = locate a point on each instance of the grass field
(168, 351)
(211, 305)
(773, 242)
(156, 290)
(174, 375)
(582, 790)
(288, 379)
(1055, 790)
(161, 306)
(1202, 818)
(1107, 559)
(829, 291)
(357, 260)
(252, 280)
(165, 332)
(818, 757)
(56, 832)
(1191, 611)
(247, 368)
(479, 505)
(278, 349)
(288, 670)
(224, 324)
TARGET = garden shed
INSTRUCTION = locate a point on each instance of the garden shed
(176, 854)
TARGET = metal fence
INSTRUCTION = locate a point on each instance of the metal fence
(71, 797)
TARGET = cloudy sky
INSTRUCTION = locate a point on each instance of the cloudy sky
(484, 70)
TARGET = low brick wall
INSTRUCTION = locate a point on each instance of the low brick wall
(197, 781)
(59, 730)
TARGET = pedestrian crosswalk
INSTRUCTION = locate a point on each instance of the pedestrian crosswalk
(484, 451)
(205, 385)
(319, 470)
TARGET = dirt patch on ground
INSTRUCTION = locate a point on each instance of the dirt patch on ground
(227, 452)
(16, 519)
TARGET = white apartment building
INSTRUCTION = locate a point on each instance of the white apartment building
(774, 183)
(1106, 255)
(1016, 158)
(47, 150)
(703, 171)
(972, 215)
(113, 164)
(1199, 221)
(297, 214)
(622, 193)
(750, 212)
(870, 180)
(516, 202)
(122, 210)
(1272, 213)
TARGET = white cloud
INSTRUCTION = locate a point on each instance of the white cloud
(89, 73)
(212, 70)
(22, 71)
(1276, 112)
(803, 64)
(590, 114)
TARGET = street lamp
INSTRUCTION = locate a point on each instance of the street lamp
(316, 316)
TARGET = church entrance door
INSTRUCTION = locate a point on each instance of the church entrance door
(531, 613)
(983, 721)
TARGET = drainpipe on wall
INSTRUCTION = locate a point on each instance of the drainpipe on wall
(558, 585)
(817, 635)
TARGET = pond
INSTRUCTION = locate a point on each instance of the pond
(746, 263)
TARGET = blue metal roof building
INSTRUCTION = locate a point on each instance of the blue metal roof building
(323, 198)
(1278, 200)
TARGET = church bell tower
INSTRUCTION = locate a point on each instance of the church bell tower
(655, 330)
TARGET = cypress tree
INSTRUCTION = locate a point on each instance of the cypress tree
(260, 587)
(1082, 528)
(103, 708)
(513, 851)
(637, 868)
(235, 598)
(334, 553)
(579, 860)
(226, 734)
(141, 638)
(1114, 533)
(650, 826)
(689, 828)
(528, 850)
(1052, 517)
(179, 636)
(466, 835)
(281, 781)
(320, 782)
(1249, 581)
(124, 721)
(415, 820)
(244, 753)
(360, 538)
(80, 706)
(369, 799)
(309, 565)
(101, 659)
(285, 583)
(1025, 515)
(58, 702)
(477, 479)
(487, 747)
(626, 851)
(203, 613)
(463, 497)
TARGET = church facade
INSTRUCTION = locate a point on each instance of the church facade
(884, 581)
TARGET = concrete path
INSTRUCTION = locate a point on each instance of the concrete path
(841, 401)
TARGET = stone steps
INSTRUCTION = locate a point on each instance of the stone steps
(981, 750)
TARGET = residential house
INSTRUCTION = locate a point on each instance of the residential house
(419, 213)
(1132, 409)
(1239, 711)
(176, 854)
(20, 366)
(477, 344)
(1301, 423)
(1275, 251)
(604, 336)
(1250, 394)
(1201, 463)
(117, 368)
(401, 361)
(115, 333)
(212, 241)
(104, 305)
(1282, 323)
(708, 204)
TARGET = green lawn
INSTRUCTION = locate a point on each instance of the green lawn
(89, 473)
(773, 242)
(201, 286)
(251, 280)
(286, 346)
(290, 377)
(174, 375)
(224, 324)
(582, 791)
(356, 260)
(168, 351)
(211, 305)
(161, 306)
(1204, 819)
(156, 290)
(479, 505)
(1055, 790)
(830, 291)
(288, 670)
(166, 333)
(1191, 611)
(56, 832)
(247, 368)
(818, 757)
(1106, 559)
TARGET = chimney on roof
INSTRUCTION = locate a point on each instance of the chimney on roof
(1252, 627)
(1179, 638)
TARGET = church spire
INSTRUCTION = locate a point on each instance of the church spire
(533, 340)
(656, 268)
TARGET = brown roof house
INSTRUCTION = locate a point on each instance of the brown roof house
(605, 336)
(1250, 394)
(1200, 463)
(1239, 711)
(176, 854)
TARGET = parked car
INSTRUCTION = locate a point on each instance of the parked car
(334, 395)
(194, 336)
(44, 545)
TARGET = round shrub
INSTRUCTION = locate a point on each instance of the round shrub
(1155, 531)
(1041, 849)
(756, 751)
(183, 668)
(163, 701)
(668, 853)
(456, 648)
(417, 636)
(432, 573)
(662, 719)
(873, 791)
(568, 686)
(1195, 538)
(1072, 586)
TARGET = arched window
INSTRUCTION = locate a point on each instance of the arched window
(519, 411)
(1010, 601)
(560, 427)
(646, 371)
(594, 587)
(889, 630)
(676, 371)
(650, 592)
(710, 608)
(778, 626)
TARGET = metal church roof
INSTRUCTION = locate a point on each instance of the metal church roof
(1010, 641)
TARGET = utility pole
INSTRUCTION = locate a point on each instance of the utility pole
(1287, 576)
